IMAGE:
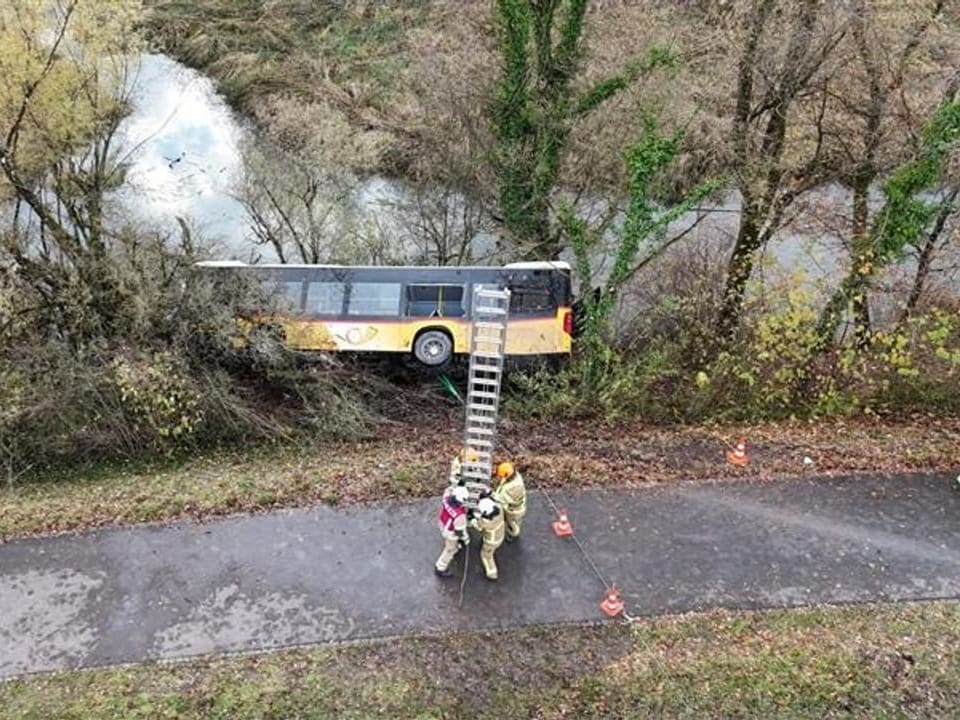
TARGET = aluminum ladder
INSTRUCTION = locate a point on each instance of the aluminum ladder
(488, 337)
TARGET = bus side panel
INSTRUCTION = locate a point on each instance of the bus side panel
(458, 328)
(309, 335)
(537, 335)
(369, 335)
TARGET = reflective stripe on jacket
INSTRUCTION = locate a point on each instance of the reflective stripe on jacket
(493, 529)
(452, 518)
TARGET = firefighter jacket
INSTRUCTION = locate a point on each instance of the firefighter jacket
(492, 529)
(452, 518)
(511, 494)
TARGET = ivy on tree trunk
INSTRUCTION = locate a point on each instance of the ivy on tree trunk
(900, 222)
(535, 108)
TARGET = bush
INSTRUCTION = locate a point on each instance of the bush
(154, 368)
(667, 367)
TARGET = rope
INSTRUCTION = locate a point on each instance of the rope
(583, 550)
(463, 580)
(586, 556)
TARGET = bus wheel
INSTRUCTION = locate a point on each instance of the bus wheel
(433, 348)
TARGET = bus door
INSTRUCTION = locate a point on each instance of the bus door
(437, 305)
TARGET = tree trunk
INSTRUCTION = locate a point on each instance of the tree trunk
(739, 268)
(927, 252)
(860, 241)
(760, 210)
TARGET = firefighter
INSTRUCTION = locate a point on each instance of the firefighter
(511, 494)
(453, 527)
(492, 528)
(456, 465)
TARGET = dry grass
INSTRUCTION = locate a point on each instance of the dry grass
(866, 662)
(411, 460)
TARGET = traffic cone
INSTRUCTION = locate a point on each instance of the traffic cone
(738, 455)
(562, 526)
(612, 605)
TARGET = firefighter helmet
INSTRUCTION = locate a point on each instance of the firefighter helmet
(505, 470)
(486, 506)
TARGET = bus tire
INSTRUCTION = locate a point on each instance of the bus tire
(433, 348)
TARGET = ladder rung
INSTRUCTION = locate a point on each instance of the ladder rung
(481, 393)
(484, 380)
(487, 355)
(481, 418)
(479, 443)
(482, 411)
(479, 431)
(487, 310)
(487, 325)
(477, 408)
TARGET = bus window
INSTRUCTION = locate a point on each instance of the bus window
(325, 298)
(531, 301)
(380, 299)
(284, 297)
(434, 301)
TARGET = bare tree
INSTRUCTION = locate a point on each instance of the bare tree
(938, 236)
(62, 103)
(444, 225)
(885, 41)
(299, 210)
(769, 87)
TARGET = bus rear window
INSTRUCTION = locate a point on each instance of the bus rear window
(531, 301)
(283, 297)
(379, 299)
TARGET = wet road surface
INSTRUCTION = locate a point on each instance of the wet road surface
(323, 575)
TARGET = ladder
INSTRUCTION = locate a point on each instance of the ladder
(488, 336)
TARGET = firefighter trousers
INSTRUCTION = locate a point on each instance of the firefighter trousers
(487, 560)
(514, 521)
(451, 545)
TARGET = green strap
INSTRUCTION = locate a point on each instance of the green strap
(449, 386)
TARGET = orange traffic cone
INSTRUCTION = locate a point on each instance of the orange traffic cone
(612, 605)
(738, 455)
(562, 526)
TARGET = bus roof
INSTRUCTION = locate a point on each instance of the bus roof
(532, 265)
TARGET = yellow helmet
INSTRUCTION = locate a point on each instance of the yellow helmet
(468, 455)
(504, 470)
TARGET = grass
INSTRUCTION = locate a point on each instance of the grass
(276, 43)
(866, 661)
(410, 460)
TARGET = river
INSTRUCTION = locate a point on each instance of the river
(187, 161)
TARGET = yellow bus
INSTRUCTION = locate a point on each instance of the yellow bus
(423, 312)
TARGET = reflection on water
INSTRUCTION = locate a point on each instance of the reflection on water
(185, 152)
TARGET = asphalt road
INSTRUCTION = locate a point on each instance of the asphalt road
(323, 575)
